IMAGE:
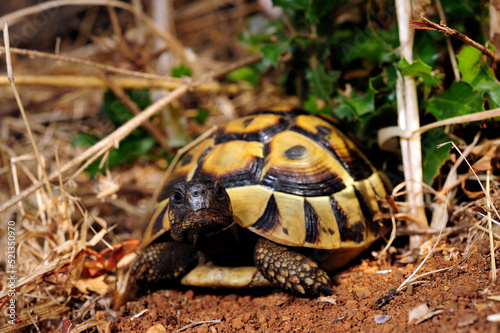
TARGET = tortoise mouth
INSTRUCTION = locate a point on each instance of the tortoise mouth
(197, 223)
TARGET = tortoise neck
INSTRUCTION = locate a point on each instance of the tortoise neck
(218, 241)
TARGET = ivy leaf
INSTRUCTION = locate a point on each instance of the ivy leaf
(321, 82)
(458, 100)
(202, 116)
(356, 43)
(84, 139)
(434, 157)
(130, 149)
(272, 52)
(357, 106)
(292, 4)
(317, 9)
(460, 8)
(182, 71)
(117, 112)
(425, 47)
(421, 70)
(476, 72)
(311, 105)
(248, 74)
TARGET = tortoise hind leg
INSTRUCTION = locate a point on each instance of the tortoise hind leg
(290, 270)
(163, 262)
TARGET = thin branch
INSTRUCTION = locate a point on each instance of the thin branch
(94, 64)
(196, 323)
(429, 25)
(387, 133)
(87, 81)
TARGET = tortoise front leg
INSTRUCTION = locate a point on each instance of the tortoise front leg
(290, 270)
(163, 262)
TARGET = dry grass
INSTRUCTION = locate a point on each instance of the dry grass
(46, 194)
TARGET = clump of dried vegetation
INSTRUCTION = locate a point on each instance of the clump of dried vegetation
(59, 216)
(70, 230)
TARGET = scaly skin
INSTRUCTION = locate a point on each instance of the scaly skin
(290, 270)
(163, 262)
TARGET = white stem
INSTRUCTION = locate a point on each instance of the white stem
(408, 120)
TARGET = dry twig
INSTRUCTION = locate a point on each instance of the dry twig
(429, 25)
(87, 81)
(39, 79)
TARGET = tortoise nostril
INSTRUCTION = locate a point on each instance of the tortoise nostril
(203, 192)
(195, 193)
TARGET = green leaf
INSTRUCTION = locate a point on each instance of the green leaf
(84, 139)
(117, 112)
(321, 82)
(202, 116)
(421, 70)
(130, 149)
(311, 105)
(425, 47)
(458, 100)
(248, 74)
(433, 157)
(476, 72)
(114, 109)
(362, 44)
(358, 106)
(317, 9)
(292, 4)
(272, 52)
(253, 40)
(182, 71)
(134, 145)
(459, 8)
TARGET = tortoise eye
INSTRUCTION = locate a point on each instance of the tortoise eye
(177, 197)
(219, 190)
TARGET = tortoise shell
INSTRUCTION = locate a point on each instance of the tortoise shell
(292, 177)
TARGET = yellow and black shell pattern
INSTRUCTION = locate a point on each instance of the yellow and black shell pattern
(292, 177)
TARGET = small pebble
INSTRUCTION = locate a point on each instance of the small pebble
(380, 319)
(362, 293)
(482, 306)
(467, 319)
(238, 324)
(158, 328)
(171, 321)
(494, 318)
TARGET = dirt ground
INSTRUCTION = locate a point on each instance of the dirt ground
(458, 295)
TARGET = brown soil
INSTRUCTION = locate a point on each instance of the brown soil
(461, 292)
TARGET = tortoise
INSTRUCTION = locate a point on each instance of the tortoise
(278, 197)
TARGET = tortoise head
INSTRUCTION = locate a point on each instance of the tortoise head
(198, 209)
